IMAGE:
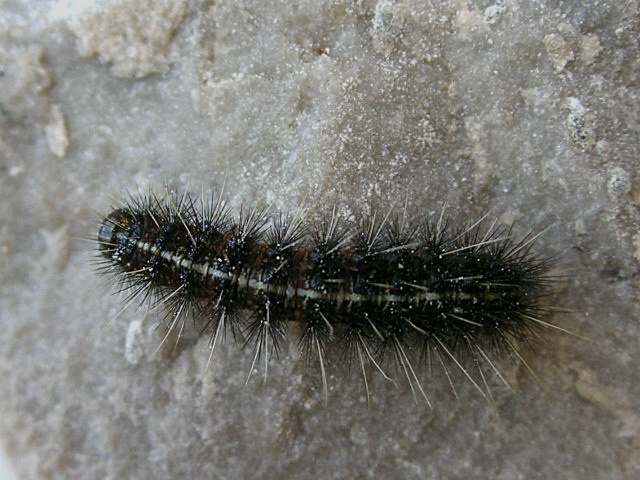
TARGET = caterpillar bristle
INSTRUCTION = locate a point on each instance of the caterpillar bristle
(383, 293)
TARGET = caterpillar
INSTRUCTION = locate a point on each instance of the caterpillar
(377, 291)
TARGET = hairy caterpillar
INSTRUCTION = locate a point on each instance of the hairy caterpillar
(375, 291)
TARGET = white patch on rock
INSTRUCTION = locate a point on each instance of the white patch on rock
(134, 343)
(56, 132)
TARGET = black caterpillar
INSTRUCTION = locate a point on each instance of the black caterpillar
(378, 290)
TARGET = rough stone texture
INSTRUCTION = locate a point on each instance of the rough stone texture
(527, 109)
(133, 36)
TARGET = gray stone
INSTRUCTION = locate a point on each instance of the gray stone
(528, 110)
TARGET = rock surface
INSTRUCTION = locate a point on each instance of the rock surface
(525, 109)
